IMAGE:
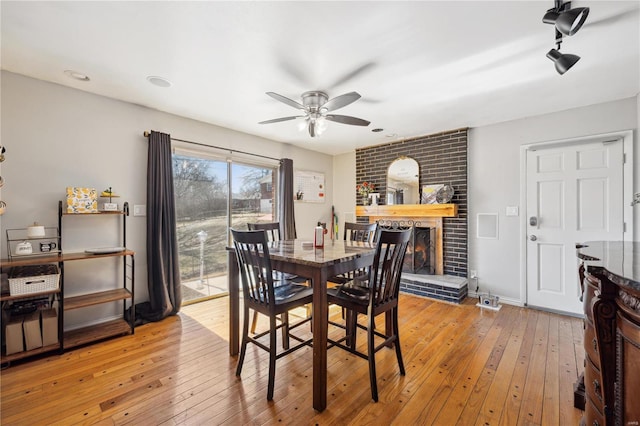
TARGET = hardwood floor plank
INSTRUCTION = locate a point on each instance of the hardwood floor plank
(551, 397)
(532, 397)
(504, 326)
(496, 397)
(464, 365)
(511, 410)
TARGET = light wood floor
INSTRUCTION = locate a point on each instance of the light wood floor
(464, 366)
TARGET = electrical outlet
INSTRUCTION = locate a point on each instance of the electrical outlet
(139, 210)
(472, 273)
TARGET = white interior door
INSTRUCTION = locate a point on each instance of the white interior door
(574, 194)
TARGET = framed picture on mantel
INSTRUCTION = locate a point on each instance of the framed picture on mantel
(429, 193)
(309, 187)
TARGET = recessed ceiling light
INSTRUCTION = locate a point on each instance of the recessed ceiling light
(377, 130)
(159, 81)
(392, 135)
(77, 75)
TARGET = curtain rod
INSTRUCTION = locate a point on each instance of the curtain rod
(146, 135)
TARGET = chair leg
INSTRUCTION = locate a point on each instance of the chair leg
(396, 329)
(372, 359)
(285, 330)
(245, 340)
(351, 322)
(254, 323)
(272, 357)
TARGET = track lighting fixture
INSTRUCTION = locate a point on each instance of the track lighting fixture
(563, 62)
(567, 21)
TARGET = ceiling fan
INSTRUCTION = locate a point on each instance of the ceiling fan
(316, 106)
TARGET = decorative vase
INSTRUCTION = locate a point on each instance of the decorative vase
(365, 200)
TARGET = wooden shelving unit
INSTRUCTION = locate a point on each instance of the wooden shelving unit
(93, 332)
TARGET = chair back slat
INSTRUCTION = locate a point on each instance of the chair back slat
(386, 270)
(272, 229)
(254, 264)
(362, 232)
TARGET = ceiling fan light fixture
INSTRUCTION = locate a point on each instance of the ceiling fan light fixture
(563, 62)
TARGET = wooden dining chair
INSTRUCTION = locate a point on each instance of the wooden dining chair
(261, 295)
(381, 296)
(272, 230)
(360, 232)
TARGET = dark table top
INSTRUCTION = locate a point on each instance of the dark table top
(619, 260)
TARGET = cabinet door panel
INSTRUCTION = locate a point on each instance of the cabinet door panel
(628, 369)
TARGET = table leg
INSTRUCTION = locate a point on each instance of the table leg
(320, 326)
(234, 303)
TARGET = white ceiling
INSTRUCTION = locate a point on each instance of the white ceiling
(421, 67)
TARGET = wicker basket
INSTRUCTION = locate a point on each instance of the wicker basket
(33, 279)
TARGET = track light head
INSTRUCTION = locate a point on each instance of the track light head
(568, 21)
(562, 61)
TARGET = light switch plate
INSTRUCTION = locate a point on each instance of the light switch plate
(511, 211)
(139, 210)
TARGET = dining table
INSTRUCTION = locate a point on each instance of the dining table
(317, 264)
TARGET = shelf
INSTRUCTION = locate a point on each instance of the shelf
(408, 210)
(94, 213)
(61, 257)
(96, 332)
(91, 299)
(5, 297)
(24, 354)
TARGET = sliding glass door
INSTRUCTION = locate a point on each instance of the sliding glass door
(213, 194)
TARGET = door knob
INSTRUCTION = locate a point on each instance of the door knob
(533, 237)
(533, 221)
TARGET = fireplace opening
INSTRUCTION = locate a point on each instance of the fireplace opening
(421, 251)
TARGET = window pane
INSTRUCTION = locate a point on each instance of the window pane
(201, 193)
(253, 196)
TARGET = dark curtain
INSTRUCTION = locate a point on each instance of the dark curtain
(285, 200)
(165, 294)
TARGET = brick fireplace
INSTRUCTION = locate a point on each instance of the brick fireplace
(442, 159)
(424, 219)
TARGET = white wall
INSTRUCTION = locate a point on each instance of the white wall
(494, 182)
(57, 137)
(344, 195)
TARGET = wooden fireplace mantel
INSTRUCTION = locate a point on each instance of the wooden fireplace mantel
(408, 210)
(427, 214)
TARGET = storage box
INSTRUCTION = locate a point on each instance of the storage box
(82, 200)
(32, 333)
(49, 326)
(13, 335)
(33, 279)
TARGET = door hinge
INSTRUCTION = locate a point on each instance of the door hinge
(624, 226)
(624, 158)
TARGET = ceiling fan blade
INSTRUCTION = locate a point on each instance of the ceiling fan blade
(345, 119)
(286, 100)
(341, 101)
(277, 120)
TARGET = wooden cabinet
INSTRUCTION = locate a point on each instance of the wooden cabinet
(120, 291)
(610, 273)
